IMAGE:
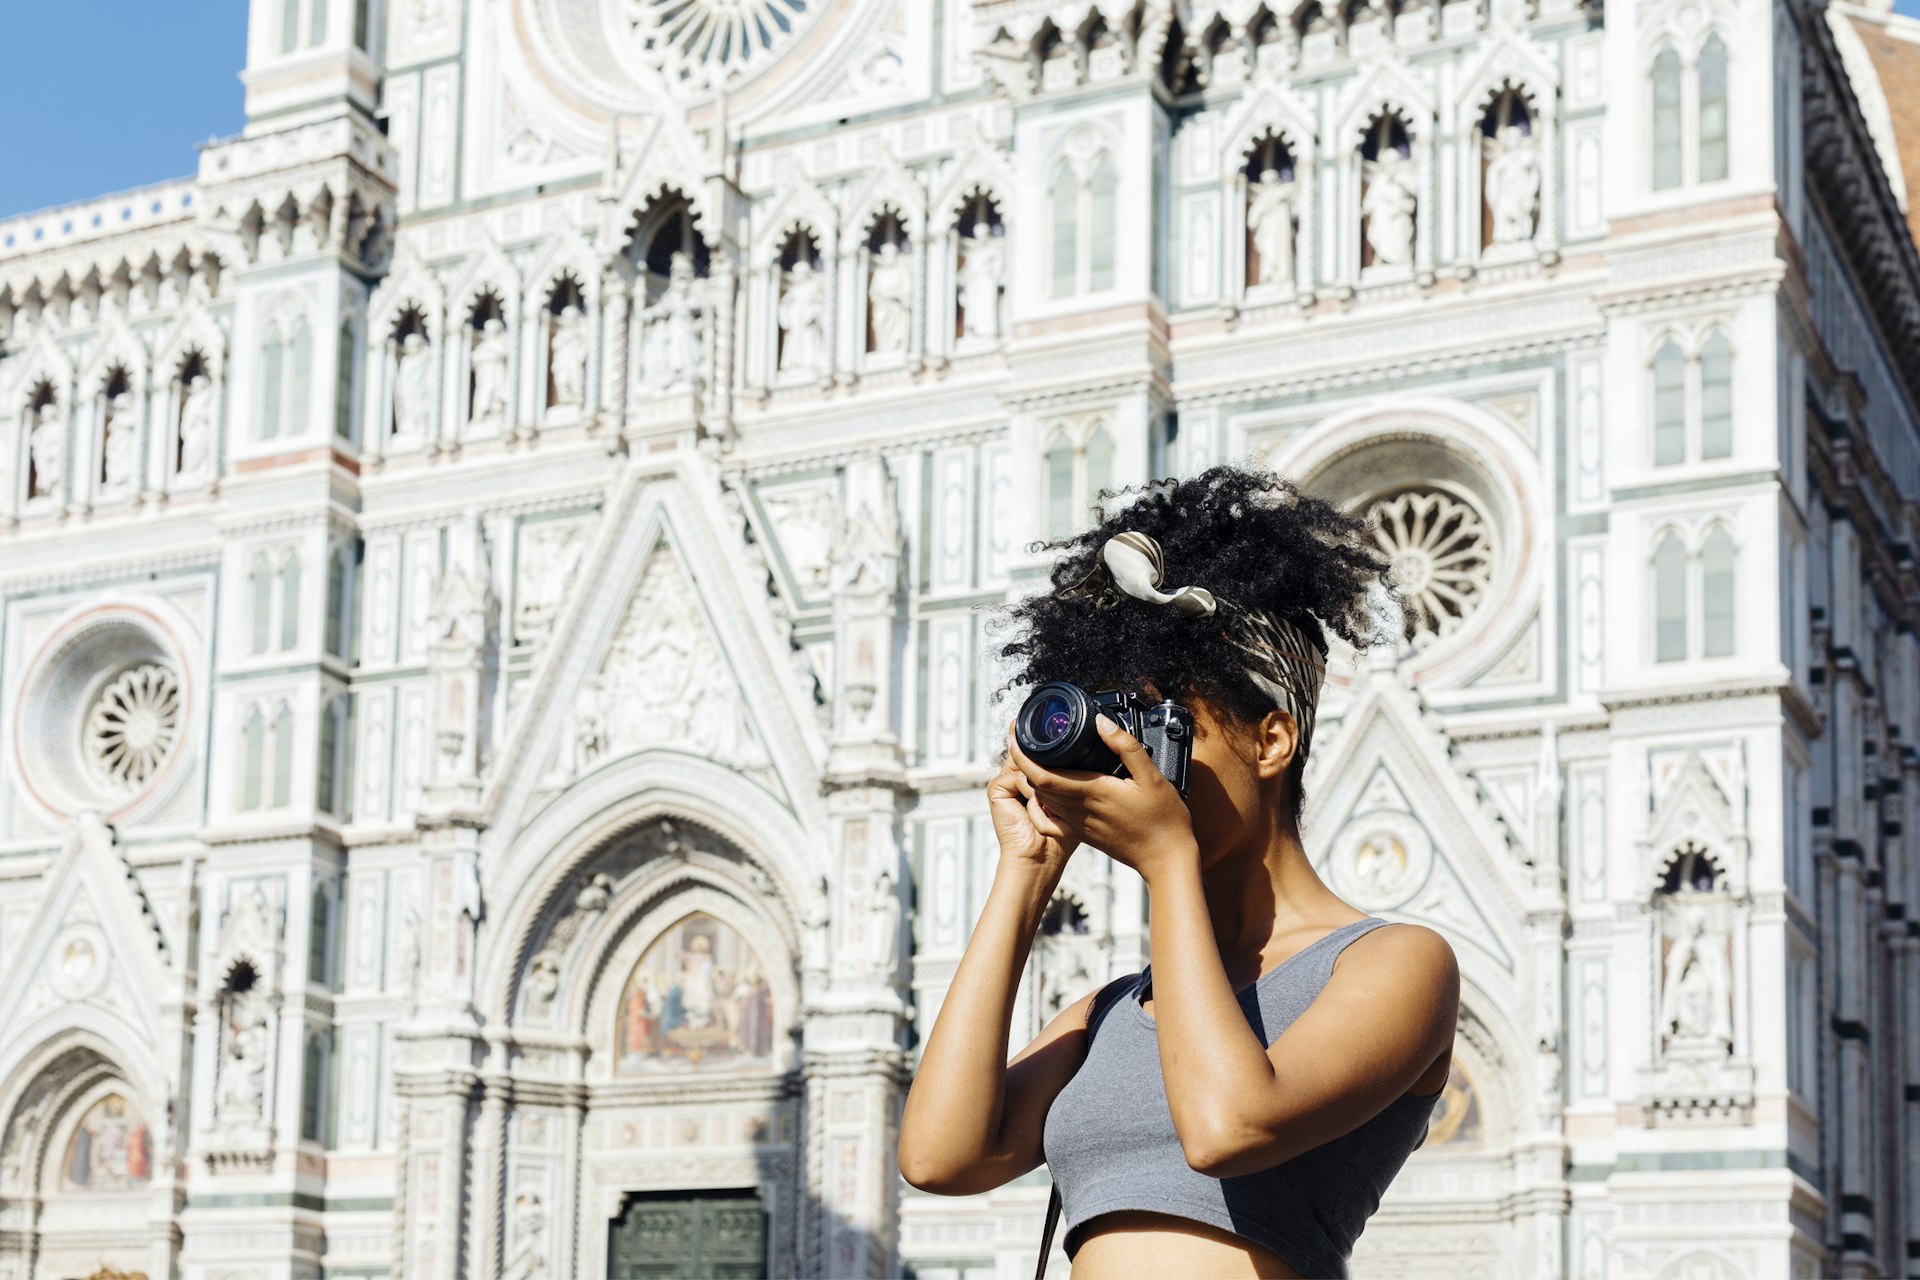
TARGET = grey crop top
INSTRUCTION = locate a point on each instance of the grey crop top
(1110, 1143)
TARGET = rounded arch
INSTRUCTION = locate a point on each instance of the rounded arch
(63, 1053)
(621, 798)
(646, 915)
(1448, 439)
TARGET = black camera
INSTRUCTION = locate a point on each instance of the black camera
(1055, 728)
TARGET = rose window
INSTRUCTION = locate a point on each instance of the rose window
(132, 726)
(702, 42)
(1441, 553)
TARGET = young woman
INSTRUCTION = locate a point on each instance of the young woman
(1237, 1108)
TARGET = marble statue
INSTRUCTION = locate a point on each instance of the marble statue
(243, 1070)
(413, 388)
(1388, 207)
(980, 278)
(1696, 997)
(48, 449)
(890, 298)
(569, 358)
(491, 348)
(802, 314)
(1513, 184)
(1270, 219)
(885, 909)
(196, 428)
(120, 445)
(672, 330)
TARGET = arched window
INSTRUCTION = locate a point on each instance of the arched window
(1059, 487)
(300, 393)
(1066, 232)
(332, 789)
(1103, 191)
(1666, 119)
(343, 381)
(260, 619)
(289, 25)
(1670, 599)
(313, 1087)
(290, 601)
(341, 571)
(1716, 397)
(1693, 401)
(1690, 115)
(1669, 404)
(272, 358)
(1712, 72)
(253, 754)
(1716, 593)
(283, 757)
(1079, 463)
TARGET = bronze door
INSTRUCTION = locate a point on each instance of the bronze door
(678, 1236)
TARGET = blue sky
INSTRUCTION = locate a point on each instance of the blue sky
(103, 95)
(112, 94)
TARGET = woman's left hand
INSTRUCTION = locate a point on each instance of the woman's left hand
(1138, 820)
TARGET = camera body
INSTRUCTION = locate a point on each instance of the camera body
(1055, 728)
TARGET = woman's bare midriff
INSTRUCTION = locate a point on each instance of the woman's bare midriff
(1129, 1243)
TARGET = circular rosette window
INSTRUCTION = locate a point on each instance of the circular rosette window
(1441, 548)
(703, 42)
(104, 713)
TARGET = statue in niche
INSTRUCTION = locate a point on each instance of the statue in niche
(1513, 184)
(1270, 220)
(569, 358)
(885, 908)
(119, 445)
(802, 313)
(1388, 207)
(672, 330)
(413, 387)
(48, 450)
(528, 1262)
(243, 1073)
(980, 279)
(1696, 996)
(196, 428)
(491, 348)
(890, 298)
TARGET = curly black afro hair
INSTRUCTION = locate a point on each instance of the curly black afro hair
(1249, 536)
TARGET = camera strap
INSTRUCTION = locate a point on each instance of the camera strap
(1104, 996)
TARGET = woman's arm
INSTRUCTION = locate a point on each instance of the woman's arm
(1240, 1106)
(973, 1120)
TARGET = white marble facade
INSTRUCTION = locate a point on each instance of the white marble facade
(492, 700)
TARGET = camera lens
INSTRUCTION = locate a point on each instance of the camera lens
(1050, 720)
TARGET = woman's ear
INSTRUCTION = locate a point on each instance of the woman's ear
(1277, 737)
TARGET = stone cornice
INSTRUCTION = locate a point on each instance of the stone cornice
(1845, 180)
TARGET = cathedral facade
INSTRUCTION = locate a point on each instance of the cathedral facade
(496, 572)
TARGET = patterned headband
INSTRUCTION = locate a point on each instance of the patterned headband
(1281, 659)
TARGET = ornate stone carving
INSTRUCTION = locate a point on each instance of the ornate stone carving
(1270, 219)
(132, 727)
(197, 429)
(665, 682)
(1442, 553)
(119, 447)
(570, 343)
(47, 449)
(802, 316)
(673, 331)
(1388, 206)
(701, 44)
(491, 349)
(982, 272)
(1512, 184)
(413, 393)
(890, 298)
(550, 554)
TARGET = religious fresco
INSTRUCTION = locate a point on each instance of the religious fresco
(109, 1150)
(1456, 1117)
(698, 1000)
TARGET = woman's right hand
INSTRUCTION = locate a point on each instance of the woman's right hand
(1027, 832)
